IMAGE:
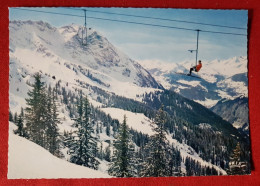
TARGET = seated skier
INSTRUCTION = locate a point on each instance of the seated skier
(196, 68)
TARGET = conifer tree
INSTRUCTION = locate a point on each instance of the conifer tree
(11, 116)
(235, 164)
(84, 146)
(42, 116)
(36, 111)
(107, 154)
(156, 163)
(52, 122)
(48, 120)
(122, 164)
(15, 118)
(20, 124)
(174, 162)
(188, 166)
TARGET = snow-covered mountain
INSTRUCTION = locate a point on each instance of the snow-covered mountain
(218, 79)
(59, 53)
(116, 85)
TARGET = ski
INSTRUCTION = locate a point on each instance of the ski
(181, 73)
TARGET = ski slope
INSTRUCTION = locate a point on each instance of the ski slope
(28, 160)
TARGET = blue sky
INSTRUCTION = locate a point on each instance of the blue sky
(154, 43)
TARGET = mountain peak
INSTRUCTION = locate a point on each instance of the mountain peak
(40, 24)
(98, 62)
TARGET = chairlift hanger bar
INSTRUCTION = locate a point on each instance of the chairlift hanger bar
(197, 47)
(198, 31)
(163, 19)
(132, 22)
(85, 17)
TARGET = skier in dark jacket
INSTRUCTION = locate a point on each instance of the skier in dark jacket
(196, 68)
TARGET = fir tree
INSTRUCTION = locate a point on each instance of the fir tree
(174, 162)
(84, 146)
(101, 153)
(42, 116)
(20, 124)
(52, 121)
(235, 165)
(122, 160)
(15, 118)
(68, 140)
(156, 164)
(107, 155)
(11, 116)
(36, 111)
(108, 130)
(188, 166)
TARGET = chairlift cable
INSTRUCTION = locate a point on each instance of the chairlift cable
(132, 22)
(163, 19)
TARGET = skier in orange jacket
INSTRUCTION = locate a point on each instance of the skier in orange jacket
(196, 68)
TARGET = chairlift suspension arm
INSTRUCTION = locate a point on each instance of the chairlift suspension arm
(85, 18)
(86, 25)
(197, 49)
(84, 30)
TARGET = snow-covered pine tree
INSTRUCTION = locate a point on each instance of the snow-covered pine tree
(11, 116)
(15, 118)
(84, 146)
(236, 167)
(174, 162)
(53, 121)
(67, 140)
(48, 120)
(20, 124)
(122, 164)
(189, 171)
(140, 157)
(90, 140)
(108, 130)
(35, 111)
(100, 152)
(107, 153)
(156, 164)
(42, 116)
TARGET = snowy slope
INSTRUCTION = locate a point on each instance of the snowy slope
(30, 161)
(136, 121)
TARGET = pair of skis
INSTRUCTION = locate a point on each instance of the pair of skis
(188, 75)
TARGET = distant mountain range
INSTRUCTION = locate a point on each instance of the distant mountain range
(218, 80)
